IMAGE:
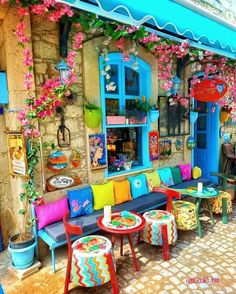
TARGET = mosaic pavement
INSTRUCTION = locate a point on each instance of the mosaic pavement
(206, 265)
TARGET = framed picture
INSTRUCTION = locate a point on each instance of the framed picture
(97, 152)
(153, 140)
(17, 153)
(165, 148)
(174, 117)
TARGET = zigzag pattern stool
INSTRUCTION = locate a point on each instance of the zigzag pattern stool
(185, 214)
(160, 229)
(89, 266)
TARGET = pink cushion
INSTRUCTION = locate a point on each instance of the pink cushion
(50, 213)
(185, 170)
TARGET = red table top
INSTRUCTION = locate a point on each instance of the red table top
(108, 228)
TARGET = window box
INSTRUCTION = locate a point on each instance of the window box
(134, 120)
(115, 120)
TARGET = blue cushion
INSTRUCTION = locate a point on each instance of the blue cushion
(80, 201)
(166, 176)
(138, 185)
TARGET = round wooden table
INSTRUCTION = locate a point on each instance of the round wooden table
(123, 223)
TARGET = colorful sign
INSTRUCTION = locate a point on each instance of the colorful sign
(17, 153)
(61, 182)
(97, 151)
(210, 90)
(153, 138)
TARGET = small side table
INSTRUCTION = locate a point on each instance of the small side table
(160, 229)
(123, 223)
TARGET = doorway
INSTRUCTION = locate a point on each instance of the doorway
(206, 134)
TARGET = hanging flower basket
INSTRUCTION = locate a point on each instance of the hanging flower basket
(92, 117)
(154, 115)
(193, 116)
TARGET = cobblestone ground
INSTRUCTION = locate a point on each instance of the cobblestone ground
(206, 265)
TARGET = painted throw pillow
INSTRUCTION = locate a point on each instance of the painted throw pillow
(153, 180)
(122, 191)
(176, 175)
(138, 185)
(50, 213)
(103, 194)
(196, 172)
(166, 176)
(186, 171)
(80, 201)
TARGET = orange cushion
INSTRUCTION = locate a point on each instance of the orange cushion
(122, 191)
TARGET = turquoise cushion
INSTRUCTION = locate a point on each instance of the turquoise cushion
(166, 176)
(80, 201)
(138, 185)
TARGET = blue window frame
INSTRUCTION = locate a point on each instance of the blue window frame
(125, 141)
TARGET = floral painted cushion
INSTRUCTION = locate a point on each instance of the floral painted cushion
(153, 180)
(80, 201)
(166, 176)
(138, 185)
(186, 171)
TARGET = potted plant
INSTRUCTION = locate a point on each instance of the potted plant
(154, 113)
(225, 113)
(92, 115)
(137, 110)
(193, 115)
(115, 118)
(22, 245)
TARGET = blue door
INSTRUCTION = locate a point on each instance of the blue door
(206, 130)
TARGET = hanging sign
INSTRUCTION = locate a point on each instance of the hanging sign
(17, 153)
(61, 182)
(210, 90)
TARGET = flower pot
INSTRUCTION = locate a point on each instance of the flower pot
(24, 257)
(92, 118)
(116, 120)
(224, 116)
(127, 165)
(135, 120)
(15, 244)
(193, 116)
(154, 115)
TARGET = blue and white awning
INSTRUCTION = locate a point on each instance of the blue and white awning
(175, 17)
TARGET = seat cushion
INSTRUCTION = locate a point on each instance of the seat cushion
(103, 194)
(122, 191)
(186, 171)
(138, 185)
(153, 180)
(176, 174)
(166, 176)
(190, 183)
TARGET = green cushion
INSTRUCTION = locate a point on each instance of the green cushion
(103, 195)
(176, 175)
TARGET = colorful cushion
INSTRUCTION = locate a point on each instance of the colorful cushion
(166, 176)
(153, 180)
(138, 185)
(185, 170)
(103, 195)
(196, 172)
(47, 214)
(122, 191)
(176, 175)
(80, 201)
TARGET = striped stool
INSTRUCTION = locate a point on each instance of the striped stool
(160, 229)
(185, 214)
(89, 266)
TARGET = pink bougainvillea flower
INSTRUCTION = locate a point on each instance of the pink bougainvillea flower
(78, 41)
(28, 60)
(39, 9)
(22, 11)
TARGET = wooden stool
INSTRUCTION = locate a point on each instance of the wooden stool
(160, 229)
(185, 214)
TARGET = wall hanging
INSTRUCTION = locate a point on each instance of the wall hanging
(57, 161)
(63, 133)
(153, 140)
(97, 152)
(191, 142)
(75, 158)
(174, 116)
(61, 182)
(17, 153)
(165, 148)
(178, 144)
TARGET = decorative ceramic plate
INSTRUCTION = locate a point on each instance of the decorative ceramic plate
(123, 220)
(91, 244)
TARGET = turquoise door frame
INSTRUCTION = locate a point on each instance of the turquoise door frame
(206, 133)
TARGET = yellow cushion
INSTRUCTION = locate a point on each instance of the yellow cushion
(196, 172)
(153, 180)
(103, 194)
(122, 191)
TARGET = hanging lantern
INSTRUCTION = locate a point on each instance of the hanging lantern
(175, 85)
(63, 133)
(63, 69)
